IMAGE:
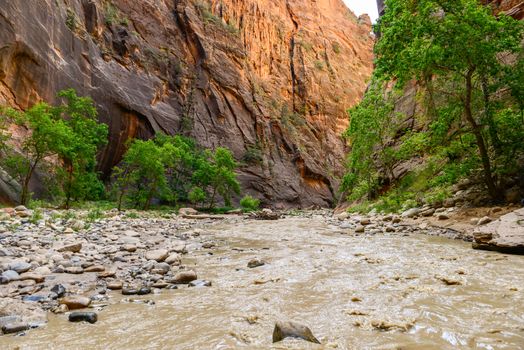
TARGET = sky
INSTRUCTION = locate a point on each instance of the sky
(363, 6)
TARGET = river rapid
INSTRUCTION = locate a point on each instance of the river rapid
(398, 290)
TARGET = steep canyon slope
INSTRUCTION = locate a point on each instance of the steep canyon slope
(271, 80)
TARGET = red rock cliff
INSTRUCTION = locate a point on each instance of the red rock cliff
(270, 79)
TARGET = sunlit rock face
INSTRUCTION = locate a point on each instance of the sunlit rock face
(271, 80)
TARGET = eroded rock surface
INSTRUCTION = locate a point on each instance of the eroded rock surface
(504, 235)
(271, 80)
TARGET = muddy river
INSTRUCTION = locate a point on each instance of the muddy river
(384, 291)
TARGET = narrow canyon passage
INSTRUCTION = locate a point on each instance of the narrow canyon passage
(398, 290)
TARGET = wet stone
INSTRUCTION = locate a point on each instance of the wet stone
(78, 316)
(17, 327)
(199, 283)
(59, 290)
(284, 330)
(20, 266)
(158, 255)
(255, 263)
(95, 268)
(75, 270)
(184, 277)
(115, 285)
(76, 302)
(73, 248)
(10, 275)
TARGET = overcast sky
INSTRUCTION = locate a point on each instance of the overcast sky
(363, 6)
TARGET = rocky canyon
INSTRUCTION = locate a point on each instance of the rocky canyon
(271, 80)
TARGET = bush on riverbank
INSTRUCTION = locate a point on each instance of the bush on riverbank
(173, 169)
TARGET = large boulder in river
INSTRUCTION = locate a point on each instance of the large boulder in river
(292, 330)
(505, 235)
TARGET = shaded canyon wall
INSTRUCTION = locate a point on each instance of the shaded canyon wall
(269, 79)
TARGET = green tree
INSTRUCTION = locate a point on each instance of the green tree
(86, 135)
(47, 134)
(372, 126)
(458, 43)
(142, 174)
(4, 134)
(173, 169)
(216, 171)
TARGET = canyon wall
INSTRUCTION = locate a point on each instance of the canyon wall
(269, 79)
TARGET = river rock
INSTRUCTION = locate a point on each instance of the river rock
(32, 276)
(365, 221)
(106, 274)
(74, 302)
(17, 327)
(75, 270)
(390, 228)
(59, 290)
(187, 211)
(95, 268)
(42, 270)
(78, 316)
(19, 266)
(20, 208)
(293, 330)
(129, 290)
(161, 268)
(173, 259)
(184, 277)
(504, 235)
(9, 275)
(360, 229)
(73, 248)
(427, 212)
(411, 213)
(443, 216)
(131, 248)
(115, 285)
(266, 214)
(160, 284)
(157, 255)
(484, 220)
(199, 283)
(255, 263)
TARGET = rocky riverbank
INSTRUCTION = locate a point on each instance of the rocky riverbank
(60, 261)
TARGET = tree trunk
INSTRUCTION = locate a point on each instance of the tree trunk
(493, 133)
(481, 144)
(24, 197)
(120, 198)
(212, 199)
(69, 185)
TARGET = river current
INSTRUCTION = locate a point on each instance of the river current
(385, 291)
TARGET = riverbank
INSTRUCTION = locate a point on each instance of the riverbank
(66, 261)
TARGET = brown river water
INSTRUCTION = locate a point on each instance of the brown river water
(383, 291)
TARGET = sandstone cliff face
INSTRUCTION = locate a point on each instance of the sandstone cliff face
(269, 79)
(514, 8)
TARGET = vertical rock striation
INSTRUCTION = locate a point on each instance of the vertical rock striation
(271, 80)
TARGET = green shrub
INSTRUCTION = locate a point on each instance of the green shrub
(94, 215)
(197, 195)
(249, 203)
(174, 169)
(36, 216)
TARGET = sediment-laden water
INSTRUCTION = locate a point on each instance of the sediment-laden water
(384, 291)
